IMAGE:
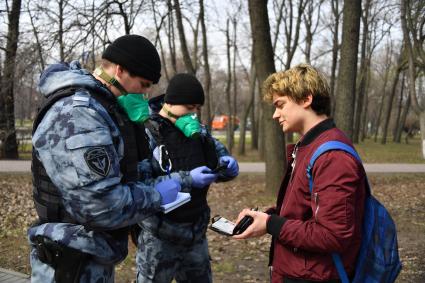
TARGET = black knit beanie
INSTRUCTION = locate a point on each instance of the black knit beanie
(184, 89)
(136, 54)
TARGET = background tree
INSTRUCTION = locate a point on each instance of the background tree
(344, 111)
(207, 73)
(389, 105)
(334, 27)
(229, 128)
(248, 109)
(412, 21)
(183, 43)
(311, 19)
(8, 146)
(386, 71)
(364, 70)
(264, 65)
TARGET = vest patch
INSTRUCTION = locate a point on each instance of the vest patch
(98, 161)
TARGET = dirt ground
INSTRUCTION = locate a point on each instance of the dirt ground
(232, 261)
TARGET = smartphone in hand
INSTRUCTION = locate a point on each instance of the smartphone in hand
(219, 169)
(222, 225)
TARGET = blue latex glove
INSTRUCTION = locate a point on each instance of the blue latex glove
(232, 166)
(201, 177)
(168, 190)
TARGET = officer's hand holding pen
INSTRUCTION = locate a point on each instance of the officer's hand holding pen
(258, 226)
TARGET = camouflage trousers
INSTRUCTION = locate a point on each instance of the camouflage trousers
(92, 272)
(169, 250)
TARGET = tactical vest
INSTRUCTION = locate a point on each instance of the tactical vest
(47, 197)
(184, 154)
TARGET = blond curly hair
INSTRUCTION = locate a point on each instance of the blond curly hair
(297, 83)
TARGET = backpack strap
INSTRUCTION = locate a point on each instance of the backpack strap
(328, 146)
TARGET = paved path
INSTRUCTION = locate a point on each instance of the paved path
(247, 167)
(8, 276)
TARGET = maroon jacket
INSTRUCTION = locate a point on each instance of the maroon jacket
(306, 228)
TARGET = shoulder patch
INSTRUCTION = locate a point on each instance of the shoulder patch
(81, 98)
(97, 159)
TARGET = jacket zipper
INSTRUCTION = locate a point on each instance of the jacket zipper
(316, 201)
(294, 161)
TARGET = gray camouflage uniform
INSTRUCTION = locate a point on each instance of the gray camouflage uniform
(71, 127)
(170, 250)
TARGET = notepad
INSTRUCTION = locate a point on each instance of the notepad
(181, 199)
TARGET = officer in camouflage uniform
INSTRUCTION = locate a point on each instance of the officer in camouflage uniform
(174, 245)
(88, 142)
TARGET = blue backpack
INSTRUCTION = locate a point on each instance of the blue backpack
(378, 260)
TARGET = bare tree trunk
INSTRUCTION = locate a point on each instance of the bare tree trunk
(292, 42)
(183, 43)
(248, 109)
(37, 40)
(381, 104)
(171, 37)
(158, 27)
(383, 92)
(399, 109)
(389, 105)
(195, 45)
(412, 72)
(292, 37)
(344, 111)
(30, 100)
(9, 147)
(278, 22)
(255, 116)
(364, 125)
(264, 63)
(207, 73)
(93, 42)
(124, 15)
(335, 50)
(229, 130)
(310, 30)
(234, 111)
(60, 31)
(403, 120)
(364, 66)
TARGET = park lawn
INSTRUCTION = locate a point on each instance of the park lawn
(370, 151)
(232, 261)
(375, 152)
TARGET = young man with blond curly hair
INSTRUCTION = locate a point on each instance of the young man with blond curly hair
(308, 227)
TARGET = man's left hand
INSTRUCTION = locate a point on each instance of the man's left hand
(232, 166)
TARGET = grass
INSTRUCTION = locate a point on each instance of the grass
(370, 151)
(375, 152)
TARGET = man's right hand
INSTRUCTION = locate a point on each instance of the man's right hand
(202, 177)
(168, 190)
